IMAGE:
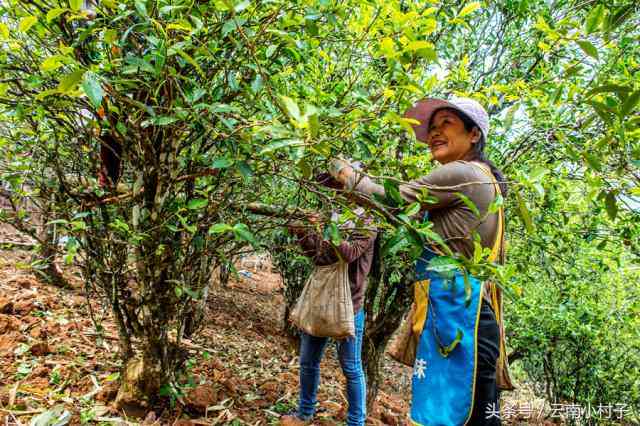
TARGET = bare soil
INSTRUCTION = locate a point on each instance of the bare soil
(242, 370)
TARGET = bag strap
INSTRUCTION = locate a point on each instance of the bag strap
(502, 371)
(498, 244)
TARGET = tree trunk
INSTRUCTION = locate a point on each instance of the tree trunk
(45, 255)
(294, 284)
(385, 304)
(373, 356)
(294, 270)
(46, 269)
(377, 335)
(141, 377)
(224, 275)
(290, 330)
(200, 278)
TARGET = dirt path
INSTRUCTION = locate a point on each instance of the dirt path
(242, 368)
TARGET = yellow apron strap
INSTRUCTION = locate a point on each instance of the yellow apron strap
(497, 245)
(503, 379)
(495, 250)
(420, 298)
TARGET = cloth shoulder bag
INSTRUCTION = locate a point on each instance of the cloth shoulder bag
(324, 308)
(404, 343)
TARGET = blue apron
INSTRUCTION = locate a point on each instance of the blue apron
(444, 372)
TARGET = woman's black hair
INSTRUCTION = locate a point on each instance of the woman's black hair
(478, 148)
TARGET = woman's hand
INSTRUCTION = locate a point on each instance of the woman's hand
(314, 218)
(299, 229)
(341, 171)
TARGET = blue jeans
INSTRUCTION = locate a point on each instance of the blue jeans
(349, 353)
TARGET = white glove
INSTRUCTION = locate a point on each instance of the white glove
(336, 165)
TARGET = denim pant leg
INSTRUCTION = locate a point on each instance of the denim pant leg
(311, 350)
(349, 353)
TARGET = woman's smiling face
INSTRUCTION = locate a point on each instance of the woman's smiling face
(448, 139)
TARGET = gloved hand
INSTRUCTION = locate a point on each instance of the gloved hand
(336, 165)
(341, 170)
(299, 229)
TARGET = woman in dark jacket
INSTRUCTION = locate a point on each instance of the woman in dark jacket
(357, 251)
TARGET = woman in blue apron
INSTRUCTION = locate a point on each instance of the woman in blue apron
(460, 361)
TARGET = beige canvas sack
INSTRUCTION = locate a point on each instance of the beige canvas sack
(404, 343)
(324, 308)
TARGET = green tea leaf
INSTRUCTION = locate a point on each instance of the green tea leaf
(314, 125)
(222, 163)
(76, 5)
(232, 25)
(219, 228)
(197, 203)
(446, 266)
(588, 48)
(608, 88)
(511, 112)
(26, 23)
(630, 103)
(291, 107)
(243, 233)
(538, 173)
(523, 210)
(334, 234)
(593, 161)
(70, 81)
(469, 9)
(412, 209)
(270, 50)
(594, 19)
(4, 31)
(141, 7)
(112, 377)
(392, 192)
(611, 205)
(58, 222)
(190, 60)
(257, 84)
(52, 63)
(242, 6)
(164, 120)
(166, 10)
(395, 243)
(470, 204)
(496, 204)
(245, 169)
(467, 288)
(477, 252)
(54, 13)
(93, 89)
(281, 144)
(305, 168)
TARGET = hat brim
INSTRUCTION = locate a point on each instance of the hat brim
(422, 111)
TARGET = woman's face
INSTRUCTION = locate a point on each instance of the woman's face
(448, 139)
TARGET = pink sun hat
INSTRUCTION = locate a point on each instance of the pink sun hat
(423, 110)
